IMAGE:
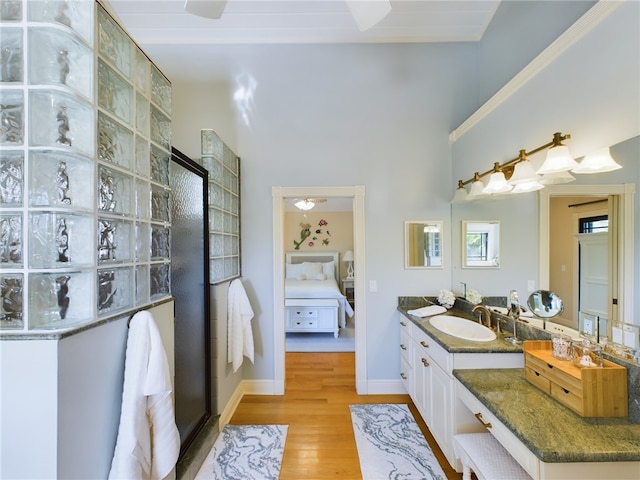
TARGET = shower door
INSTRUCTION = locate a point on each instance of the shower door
(190, 289)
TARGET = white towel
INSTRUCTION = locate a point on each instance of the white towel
(239, 334)
(148, 442)
(427, 311)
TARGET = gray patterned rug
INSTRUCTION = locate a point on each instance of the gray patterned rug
(245, 452)
(391, 445)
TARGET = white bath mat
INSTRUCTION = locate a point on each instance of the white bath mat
(245, 452)
(391, 445)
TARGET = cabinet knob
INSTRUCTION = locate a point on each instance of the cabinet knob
(424, 344)
(403, 376)
(402, 346)
(424, 362)
(482, 421)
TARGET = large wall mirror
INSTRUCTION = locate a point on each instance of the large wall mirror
(423, 244)
(481, 244)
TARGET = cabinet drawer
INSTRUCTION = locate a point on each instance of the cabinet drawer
(571, 399)
(538, 379)
(437, 353)
(302, 323)
(302, 312)
(554, 374)
(406, 345)
(406, 374)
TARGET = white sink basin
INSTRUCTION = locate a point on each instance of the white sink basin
(462, 328)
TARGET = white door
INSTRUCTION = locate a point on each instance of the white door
(594, 271)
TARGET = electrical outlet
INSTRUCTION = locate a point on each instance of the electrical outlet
(373, 285)
(587, 326)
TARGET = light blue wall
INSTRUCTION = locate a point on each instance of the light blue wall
(518, 32)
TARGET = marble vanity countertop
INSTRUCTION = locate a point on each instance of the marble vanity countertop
(454, 344)
(551, 431)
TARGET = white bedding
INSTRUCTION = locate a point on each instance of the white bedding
(316, 289)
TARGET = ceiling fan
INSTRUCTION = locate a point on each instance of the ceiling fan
(308, 203)
(366, 13)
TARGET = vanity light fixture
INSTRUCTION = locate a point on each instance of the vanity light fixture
(477, 188)
(497, 182)
(524, 178)
(461, 194)
(519, 176)
(558, 157)
(556, 178)
(599, 161)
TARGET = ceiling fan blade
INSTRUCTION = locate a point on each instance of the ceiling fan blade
(205, 8)
(367, 13)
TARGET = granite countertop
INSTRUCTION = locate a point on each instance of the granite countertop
(551, 431)
(456, 345)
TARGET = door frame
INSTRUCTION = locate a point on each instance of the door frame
(279, 195)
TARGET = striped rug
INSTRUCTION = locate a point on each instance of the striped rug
(245, 452)
(391, 445)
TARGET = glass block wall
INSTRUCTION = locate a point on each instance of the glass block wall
(85, 140)
(224, 207)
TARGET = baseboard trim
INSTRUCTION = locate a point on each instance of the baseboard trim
(385, 387)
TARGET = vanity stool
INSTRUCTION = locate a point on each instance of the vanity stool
(488, 459)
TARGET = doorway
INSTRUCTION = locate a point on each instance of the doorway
(621, 281)
(279, 195)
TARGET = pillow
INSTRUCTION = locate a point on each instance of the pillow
(294, 270)
(328, 268)
(311, 269)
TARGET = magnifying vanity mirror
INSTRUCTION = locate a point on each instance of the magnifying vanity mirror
(481, 244)
(545, 304)
(423, 244)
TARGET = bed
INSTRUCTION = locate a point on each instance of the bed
(313, 300)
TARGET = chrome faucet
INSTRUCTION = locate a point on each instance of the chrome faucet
(484, 309)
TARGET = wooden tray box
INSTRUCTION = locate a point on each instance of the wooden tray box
(589, 391)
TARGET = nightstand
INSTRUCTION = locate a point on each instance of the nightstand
(348, 290)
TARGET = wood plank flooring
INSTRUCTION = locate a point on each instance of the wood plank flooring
(320, 441)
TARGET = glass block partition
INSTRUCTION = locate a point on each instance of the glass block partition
(224, 207)
(85, 141)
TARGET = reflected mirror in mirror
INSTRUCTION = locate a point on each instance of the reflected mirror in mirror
(423, 244)
(545, 304)
(481, 244)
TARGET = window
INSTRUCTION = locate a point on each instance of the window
(596, 224)
(477, 246)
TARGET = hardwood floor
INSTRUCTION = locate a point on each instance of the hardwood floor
(320, 441)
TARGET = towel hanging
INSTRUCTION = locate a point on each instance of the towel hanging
(239, 333)
(148, 442)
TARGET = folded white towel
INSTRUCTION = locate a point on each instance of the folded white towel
(427, 311)
(239, 333)
(148, 442)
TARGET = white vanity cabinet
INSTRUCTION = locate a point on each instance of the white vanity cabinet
(427, 375)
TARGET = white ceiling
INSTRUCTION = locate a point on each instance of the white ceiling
(165, 22)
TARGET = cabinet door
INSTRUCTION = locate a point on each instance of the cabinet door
(422, 382)
(441, 392)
